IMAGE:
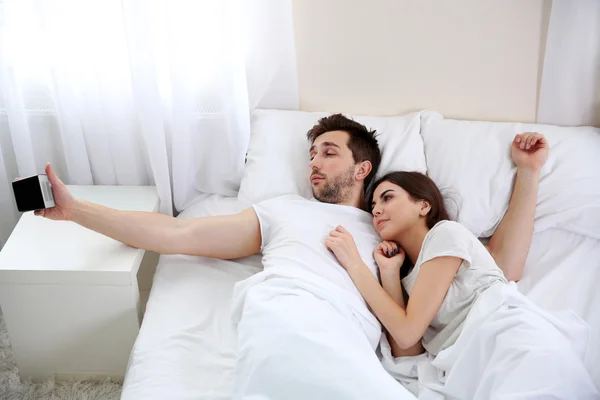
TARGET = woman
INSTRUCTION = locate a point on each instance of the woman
(465, 332)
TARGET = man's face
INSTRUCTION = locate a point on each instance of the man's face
(332, 168)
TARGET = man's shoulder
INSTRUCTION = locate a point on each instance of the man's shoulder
(283, 198)
(284, 201)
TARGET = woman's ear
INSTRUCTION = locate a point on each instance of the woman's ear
(425, 208)
(364, 169)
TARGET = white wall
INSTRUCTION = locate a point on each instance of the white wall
(469, 59)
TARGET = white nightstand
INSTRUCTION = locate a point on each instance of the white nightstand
(70, 296)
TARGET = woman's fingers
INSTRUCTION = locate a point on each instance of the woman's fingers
(391, 249)
(538, 140)
(384, 247)
(528, 141)
(522, 140)
(518, 138)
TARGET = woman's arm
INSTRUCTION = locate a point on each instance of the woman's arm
(510, 244)
(390, 281)
(407, 327)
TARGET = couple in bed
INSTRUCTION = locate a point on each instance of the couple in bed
(309, 325)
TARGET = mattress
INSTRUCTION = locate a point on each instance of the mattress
(186, 345)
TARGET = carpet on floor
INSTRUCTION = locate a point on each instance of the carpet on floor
(13, 388)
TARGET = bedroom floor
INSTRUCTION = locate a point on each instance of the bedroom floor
(12, 388)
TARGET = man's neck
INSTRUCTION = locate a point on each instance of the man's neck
(354, 200)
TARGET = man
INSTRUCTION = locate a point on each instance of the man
(304, 331)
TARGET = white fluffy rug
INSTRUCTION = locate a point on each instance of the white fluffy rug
(12, 388)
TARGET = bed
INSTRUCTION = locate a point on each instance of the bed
(186, 345)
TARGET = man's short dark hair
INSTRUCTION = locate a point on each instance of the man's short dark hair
(362, 142)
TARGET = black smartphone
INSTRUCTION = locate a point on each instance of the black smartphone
(33, 193)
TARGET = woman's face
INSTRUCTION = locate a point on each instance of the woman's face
(394, 210)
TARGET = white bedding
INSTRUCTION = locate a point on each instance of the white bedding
(494, 356)
(563, 272)
(186, 346)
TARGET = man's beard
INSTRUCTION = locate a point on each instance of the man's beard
(338, 190)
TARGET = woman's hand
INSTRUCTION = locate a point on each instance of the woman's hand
(530, 150)
(341, 243)
(389, 258)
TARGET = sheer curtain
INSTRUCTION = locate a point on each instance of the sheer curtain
(138, 92)
(570, 89)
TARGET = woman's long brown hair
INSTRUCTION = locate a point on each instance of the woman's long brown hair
(420, 187)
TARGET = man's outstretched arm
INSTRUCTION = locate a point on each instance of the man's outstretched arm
(511, 242)
(225, 237)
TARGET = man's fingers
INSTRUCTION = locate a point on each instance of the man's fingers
(335, 234)
(51, 174)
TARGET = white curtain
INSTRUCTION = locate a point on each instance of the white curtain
(138, 92)
(570, 88)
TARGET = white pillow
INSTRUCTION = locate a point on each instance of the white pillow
(472, 159)
(210, 205)
(278, 161)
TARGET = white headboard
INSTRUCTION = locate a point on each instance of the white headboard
(468, 59)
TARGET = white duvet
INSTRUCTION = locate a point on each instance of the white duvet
(186, 347)
(297, 340)
(509, 348)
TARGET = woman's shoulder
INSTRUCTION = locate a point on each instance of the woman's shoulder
(450, 227)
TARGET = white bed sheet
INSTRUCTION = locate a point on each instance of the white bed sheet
(186, 346)
(563, 272)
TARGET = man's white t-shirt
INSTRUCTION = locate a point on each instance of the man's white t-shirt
(294, 231)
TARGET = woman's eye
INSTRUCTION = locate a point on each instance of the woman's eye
(386, 198)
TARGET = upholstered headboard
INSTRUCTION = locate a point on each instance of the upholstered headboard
(468, 59)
